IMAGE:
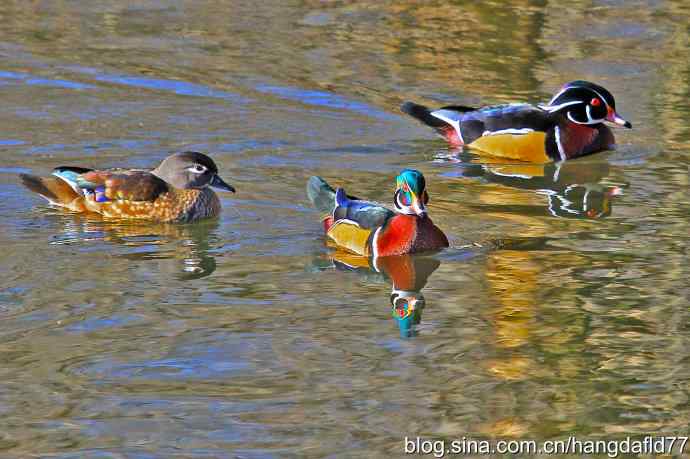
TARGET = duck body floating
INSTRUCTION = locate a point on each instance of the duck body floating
(569, 126)
(369, 229)
(178, 190)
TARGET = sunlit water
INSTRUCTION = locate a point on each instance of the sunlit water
(561, 307)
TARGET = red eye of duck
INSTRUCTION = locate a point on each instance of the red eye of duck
(595, 102)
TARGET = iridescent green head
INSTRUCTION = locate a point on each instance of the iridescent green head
(410, 194)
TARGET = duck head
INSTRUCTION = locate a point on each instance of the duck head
(191, 170)
(583, 102)
(411, 197)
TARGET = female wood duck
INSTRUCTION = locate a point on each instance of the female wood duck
(178, 190)
(570, 125)
(369, 229)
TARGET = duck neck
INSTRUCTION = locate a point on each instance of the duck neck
(573, 139)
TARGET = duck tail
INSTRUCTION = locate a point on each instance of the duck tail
(423, 114)
(54, 189)
(321, 194)
(446, 121)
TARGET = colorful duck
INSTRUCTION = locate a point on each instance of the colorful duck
(369, 229)
(178, 190)
(569, 126)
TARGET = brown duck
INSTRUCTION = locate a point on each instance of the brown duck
(178, 190)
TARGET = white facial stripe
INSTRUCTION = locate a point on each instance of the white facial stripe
(555, 108)
(561, 151)
(584, 122)
(455, 123)
(406, 210)
(558, 95)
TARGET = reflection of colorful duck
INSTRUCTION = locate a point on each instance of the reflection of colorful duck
(408, 274)
(573, 189)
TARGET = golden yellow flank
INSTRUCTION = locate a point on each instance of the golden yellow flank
(522, 147)
(350, 236)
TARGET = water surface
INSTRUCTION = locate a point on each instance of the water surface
(561, 307)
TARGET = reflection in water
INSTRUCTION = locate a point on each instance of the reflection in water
(190, 243)
(574, 189)
(407, 273)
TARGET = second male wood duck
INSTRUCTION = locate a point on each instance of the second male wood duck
(569, 126)
(178, 190)
(368, 229)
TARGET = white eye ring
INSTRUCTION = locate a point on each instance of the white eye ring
(197, 169)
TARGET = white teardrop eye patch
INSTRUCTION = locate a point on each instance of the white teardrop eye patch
(197, 169)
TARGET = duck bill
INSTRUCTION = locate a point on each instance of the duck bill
(218, 183)
(613, 117)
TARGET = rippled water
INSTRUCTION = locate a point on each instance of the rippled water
(561, 307)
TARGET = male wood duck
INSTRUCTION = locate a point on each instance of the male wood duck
(369, 229)
(569, 126)
(178, 190)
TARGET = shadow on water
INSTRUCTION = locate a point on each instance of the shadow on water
(188, 246)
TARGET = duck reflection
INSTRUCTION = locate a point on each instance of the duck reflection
(407, 273)
(574, 189)
(183, 250)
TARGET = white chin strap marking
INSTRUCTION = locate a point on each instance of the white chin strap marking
(407, 210)
(589, 116)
